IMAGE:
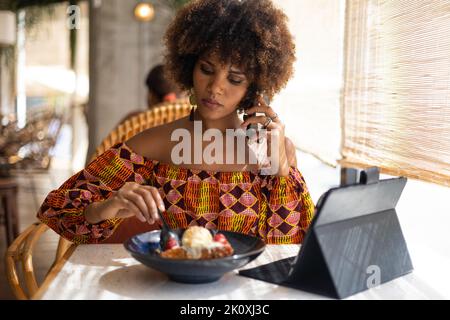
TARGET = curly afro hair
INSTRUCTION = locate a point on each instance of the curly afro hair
(251, 34)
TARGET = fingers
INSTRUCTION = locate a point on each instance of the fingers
(263, 97)
(262, 106)
(150, 204)
(268, 111)
(159, 202)
(255, 119)
(157, 197)
(130, 206)
(258, 119)
(141, 200)
(254, 109)
(125, 213)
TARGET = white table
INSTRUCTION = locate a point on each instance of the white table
(107, 271)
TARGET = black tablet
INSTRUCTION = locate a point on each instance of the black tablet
(354, 243)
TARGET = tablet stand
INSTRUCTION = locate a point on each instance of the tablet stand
(354, 243)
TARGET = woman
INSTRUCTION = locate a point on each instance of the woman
(226, 53)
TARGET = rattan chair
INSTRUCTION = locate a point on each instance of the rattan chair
(20, 252)
(160, 114)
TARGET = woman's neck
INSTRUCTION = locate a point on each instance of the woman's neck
(230, 122)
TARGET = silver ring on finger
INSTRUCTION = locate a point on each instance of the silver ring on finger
(274, 117)
(268, 121)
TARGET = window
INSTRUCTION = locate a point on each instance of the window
(396, 102)
(310, 104)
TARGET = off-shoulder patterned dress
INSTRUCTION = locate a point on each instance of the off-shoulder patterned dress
(277, 209)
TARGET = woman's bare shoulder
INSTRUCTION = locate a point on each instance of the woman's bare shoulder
(155, 143)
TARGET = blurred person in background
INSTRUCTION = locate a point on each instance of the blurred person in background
(159, 89)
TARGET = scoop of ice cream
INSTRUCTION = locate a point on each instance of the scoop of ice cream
(197, 237)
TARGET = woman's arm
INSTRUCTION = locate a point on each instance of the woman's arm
(289, 208)
(290, 152)
(132, 199)
(85, 208)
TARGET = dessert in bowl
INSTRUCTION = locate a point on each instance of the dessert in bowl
(197, 257)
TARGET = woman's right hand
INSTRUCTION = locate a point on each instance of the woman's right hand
(132, 199)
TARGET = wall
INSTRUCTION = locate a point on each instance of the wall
(7, 41)
(6, 87)
(310, 104)
(122, 50)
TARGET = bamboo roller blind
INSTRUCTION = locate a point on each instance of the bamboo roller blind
(396, 101)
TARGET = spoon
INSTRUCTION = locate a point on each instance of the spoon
(167, 234)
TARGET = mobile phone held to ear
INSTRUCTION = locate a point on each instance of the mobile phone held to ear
(256, 126)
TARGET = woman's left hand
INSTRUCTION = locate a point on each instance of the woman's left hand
(274, 133)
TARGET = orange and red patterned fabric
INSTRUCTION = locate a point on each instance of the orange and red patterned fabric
(277, 209)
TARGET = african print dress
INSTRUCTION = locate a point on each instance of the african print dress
(277, 209)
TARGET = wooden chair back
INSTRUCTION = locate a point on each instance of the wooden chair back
(160, 114)
(19, 256)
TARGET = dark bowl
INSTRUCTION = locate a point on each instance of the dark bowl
(143, 248)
